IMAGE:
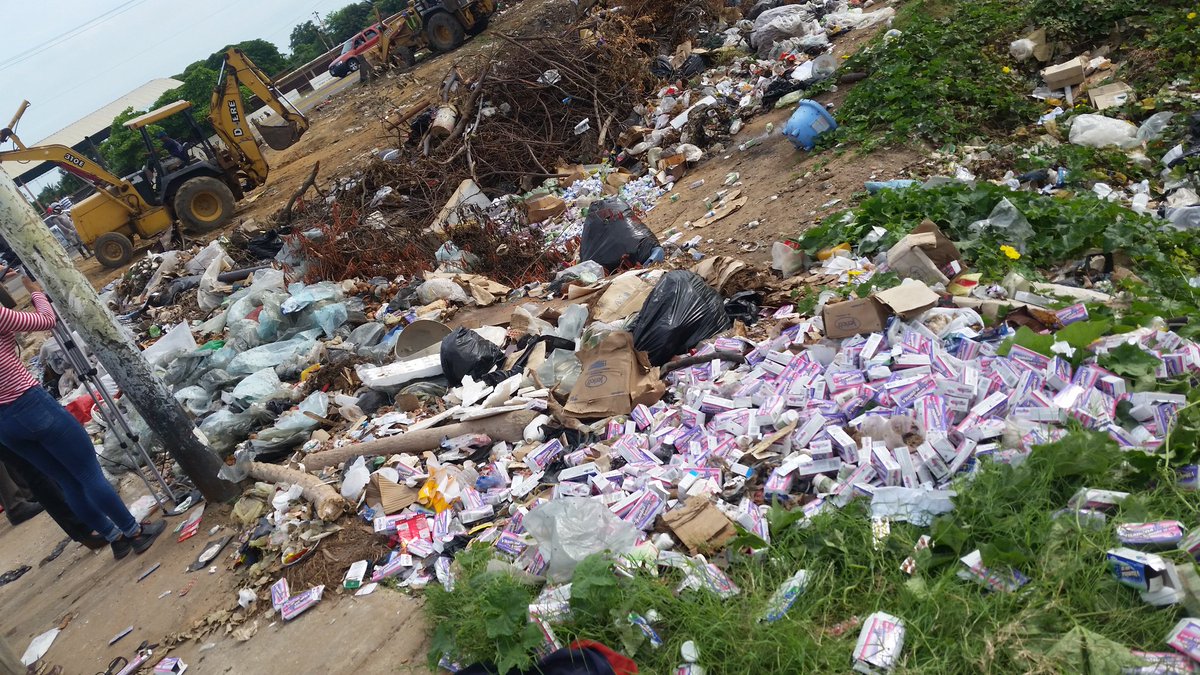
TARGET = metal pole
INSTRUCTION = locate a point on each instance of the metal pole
(113, 415)
(78, 302)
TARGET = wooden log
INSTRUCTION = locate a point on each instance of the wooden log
(326, 501)
(508, 427)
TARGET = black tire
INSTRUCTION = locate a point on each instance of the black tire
(480, 25)
(444, 32)
(204, 204)
(113, 250)
(352, 64)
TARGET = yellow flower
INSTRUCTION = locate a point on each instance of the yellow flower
(1006, 70)
(1191, 16)
(1011, 252)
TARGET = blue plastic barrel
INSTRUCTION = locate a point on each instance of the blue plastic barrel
(810, 121)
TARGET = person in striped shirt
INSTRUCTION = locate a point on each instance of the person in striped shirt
(36, 427)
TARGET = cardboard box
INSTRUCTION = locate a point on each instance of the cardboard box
(1066, 74)
(544, 208)
(926, 254)
(700, 525)
(854, 317)
(1110, 95)
(388, 496)
(1041, 49)
(909, 299)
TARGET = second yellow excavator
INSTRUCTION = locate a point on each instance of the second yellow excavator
(199, 187)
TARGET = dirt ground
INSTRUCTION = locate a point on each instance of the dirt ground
(381, 633)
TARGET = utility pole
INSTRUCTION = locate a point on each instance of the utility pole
(76, 300)
(321, 31)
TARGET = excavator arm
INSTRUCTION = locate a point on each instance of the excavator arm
(68, 159)
(228, 115)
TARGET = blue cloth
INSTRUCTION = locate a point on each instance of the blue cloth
(175, 149)
(42, 432)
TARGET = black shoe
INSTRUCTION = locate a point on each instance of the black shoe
(121, 547)
(146, 537)
(23, 512)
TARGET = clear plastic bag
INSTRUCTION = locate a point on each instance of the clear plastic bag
(224, 429)
(293, 427)
(588, 271)
(260, 386)
(1007, 220)
(195, 399)
(1152, 129)
(572, 528)
(330, 317)
(301, 296)
(367, 335)
(274, 354)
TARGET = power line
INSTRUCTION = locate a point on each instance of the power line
(71, 34)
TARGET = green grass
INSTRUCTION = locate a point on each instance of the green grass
(954, 626)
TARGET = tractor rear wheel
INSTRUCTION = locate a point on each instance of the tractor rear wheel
(444, 32)
(113, 249)
(204, 204)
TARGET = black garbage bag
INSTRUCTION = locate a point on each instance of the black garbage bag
(744, 307)
(613, 234)
(267, 245)
(680, 312)
(465, 352)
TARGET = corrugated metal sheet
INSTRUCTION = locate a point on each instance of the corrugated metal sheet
(138, 99)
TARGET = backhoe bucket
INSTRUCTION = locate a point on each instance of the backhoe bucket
(279, 137)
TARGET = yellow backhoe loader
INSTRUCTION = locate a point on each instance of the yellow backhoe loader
(199, 193)
(437, 25)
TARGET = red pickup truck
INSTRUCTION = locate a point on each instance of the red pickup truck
(351, 57)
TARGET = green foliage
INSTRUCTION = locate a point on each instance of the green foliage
(124, 150)
(307, 42)
(485, 619)
(264, 54)
(1063, 229)
(1087, 23)
(940, 81)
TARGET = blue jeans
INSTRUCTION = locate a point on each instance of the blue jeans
(41, 431)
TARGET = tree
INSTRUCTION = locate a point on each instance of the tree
(306, 43)
(123, 150)
(345, 22)
(67, 185)
(264, 54)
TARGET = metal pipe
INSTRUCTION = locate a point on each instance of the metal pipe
(83, 309)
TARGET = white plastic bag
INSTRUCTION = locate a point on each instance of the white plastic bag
(572, 528)
(355, 480)
(1098, 131)
(441, 289)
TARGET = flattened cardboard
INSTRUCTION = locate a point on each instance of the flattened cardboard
(909, 299)
(924, 253)
(389, 496)
(544, 208)
(615, 378)
(1110, 95)
(854, 317)
(624, 295)
(700, 525)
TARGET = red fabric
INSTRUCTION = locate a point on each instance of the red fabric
(621, 664)
(81, 409)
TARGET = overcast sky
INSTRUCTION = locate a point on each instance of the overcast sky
(70, 57)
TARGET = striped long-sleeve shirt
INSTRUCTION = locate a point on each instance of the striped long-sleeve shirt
(14, 376)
